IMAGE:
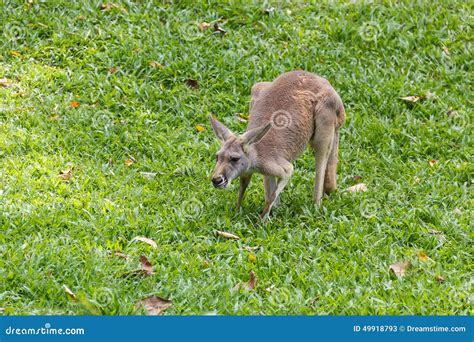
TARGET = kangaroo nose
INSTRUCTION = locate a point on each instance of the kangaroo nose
(218, 181)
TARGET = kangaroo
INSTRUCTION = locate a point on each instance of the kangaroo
(295, 109)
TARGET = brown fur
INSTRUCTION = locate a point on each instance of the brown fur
(301, 108)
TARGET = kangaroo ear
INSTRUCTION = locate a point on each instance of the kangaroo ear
(255, 135)
(221, 131)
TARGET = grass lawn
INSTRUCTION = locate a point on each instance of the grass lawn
(119, 95)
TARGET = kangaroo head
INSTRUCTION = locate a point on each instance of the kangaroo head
(234, 158)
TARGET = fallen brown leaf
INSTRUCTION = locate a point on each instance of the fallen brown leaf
(251, 248)
(250, 285)
(400, 268)
(155, 64)
(4, 82)
(439, 278)
(66, 175)
(120, 255)
(154, 305)
(422, 256)
(145, 240)
(145, 270)
(146, 265)
(113, 70)
(227, 235)
(357, 178)
(70, 294)
(411, 99)
(129, 162)
(204, 26)
(200, 128)
(361, 187)
(433, 162)
(242, 117)
(252, 281)
(219, 29)
(193, 84)
(74, 104)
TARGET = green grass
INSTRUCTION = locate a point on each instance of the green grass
(329, 261)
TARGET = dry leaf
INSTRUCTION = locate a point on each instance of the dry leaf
(227, 235)
(113, 70)
(433, 162)
(422, 256)
(252, 281)
(4, 82)
(357, 178)
(70, 294)
(120, 255)
(439, 278)
(155, 64)
(145, 240)
(66, 175)
(252, 258)
(446, 50)
(251, 249)
(74, 104)
(154, 305)
(145, 270)
(204, 26)
(250, 285)
(242, 117)
(411, 99)
(193, 84)
(400, 268)
(146, 265)
(129, 162)
(219, 29)
(361, 187)
(200, 128)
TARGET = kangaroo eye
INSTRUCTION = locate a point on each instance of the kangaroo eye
(234, 159)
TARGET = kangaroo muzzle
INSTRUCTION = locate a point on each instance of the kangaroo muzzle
(219, 181)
